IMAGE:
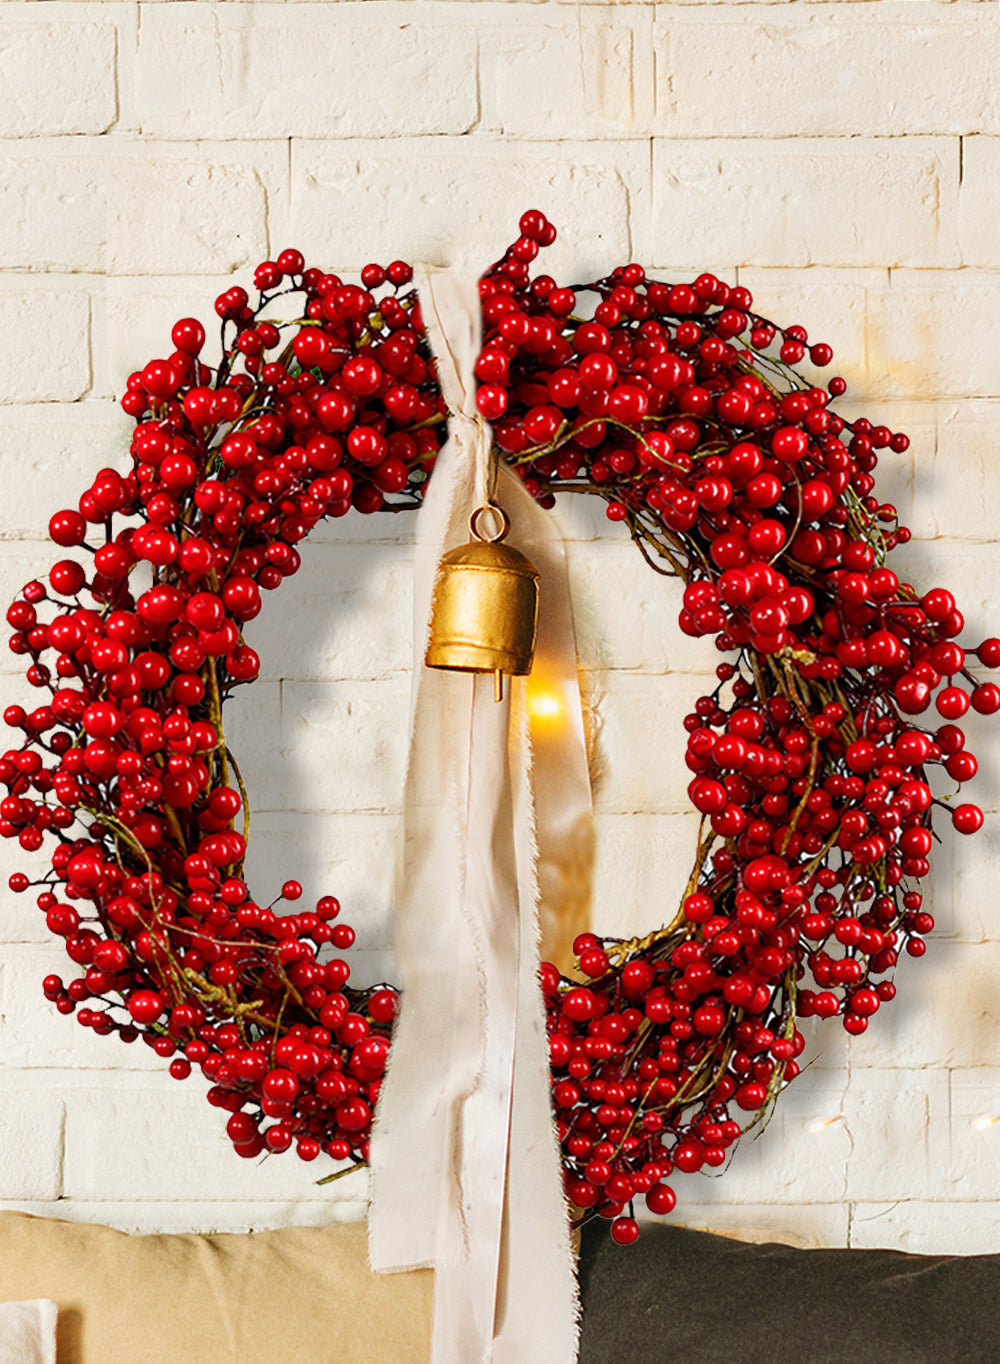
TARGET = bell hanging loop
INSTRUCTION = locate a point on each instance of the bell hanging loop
(484, 613)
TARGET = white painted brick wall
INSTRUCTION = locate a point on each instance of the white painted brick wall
(823, 71)
(461, 196)
(841, 159)
(806, 201)
(58, 70)
(305, 71)
(49, 362)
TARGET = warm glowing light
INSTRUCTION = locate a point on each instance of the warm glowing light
(981, 1124)
(546, 703)
(818, 1124)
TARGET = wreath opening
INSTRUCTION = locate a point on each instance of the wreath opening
(688, 414)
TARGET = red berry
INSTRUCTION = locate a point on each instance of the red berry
(291, 262)
(661, 1199)
(188, 335)
(989, 653)
(145, 1006)
(67, 528)
(579, 1004)
(160, 379)
(986, 699)
(967, 819)
(625, 1231)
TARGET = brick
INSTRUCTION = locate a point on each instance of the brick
(927, 1228)
(132, 206)
(175, 216)
(906, 480)
(828, 1046)
(945, 1014)
(925, 335)
(303, 71)
(50, 361)
(966, 568)
(664, 4)
(642, 864)
(833, 307)
(814, 201)
(171, 1145)
(580, 76)
(960, 889)
(31, 1142)
(453, 202)
(347, 613)
(52, 455)
(344, 744)
(958, 492)
(134, 316)
(857, 71)
(371, 966)
(382, 528)
(350, 856)
(783, 1163)
(633, 626)
(913, 346)
(253, 735)
(975, 1133)
(640, 723)
(33, 1034)
(21, 921)
(53, 209)
(583, 519)
(804, 1165)
(898, 1124)
(57, 74)
(979, 201)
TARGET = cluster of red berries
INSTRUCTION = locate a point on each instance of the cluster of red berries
(136, 647)
(683, 409)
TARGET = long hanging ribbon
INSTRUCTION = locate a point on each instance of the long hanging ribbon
(466, 1176)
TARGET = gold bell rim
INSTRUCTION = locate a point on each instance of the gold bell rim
(468, 656)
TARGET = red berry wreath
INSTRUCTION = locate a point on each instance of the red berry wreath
(684, 410)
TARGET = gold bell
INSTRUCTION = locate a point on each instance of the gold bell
(485, 607)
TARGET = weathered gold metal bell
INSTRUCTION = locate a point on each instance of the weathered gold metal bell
(485, 608)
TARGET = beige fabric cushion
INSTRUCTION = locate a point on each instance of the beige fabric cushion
(301, 1295)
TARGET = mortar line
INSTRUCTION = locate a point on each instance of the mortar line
(648, 230)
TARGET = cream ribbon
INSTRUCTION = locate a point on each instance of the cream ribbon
(466, 1174)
